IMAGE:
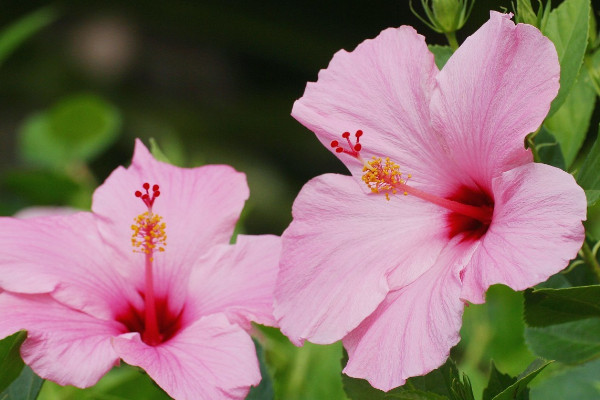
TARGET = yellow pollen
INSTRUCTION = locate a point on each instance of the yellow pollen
(148, 234)
(382, 176)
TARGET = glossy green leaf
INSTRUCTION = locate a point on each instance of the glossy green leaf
(26, 387)
(10, 358)
(441, 54)
(519, 389)
(436, 385)
(579, 383)
(573, 342)
(14, 35)
(264, 391)
(567, 27)
(570, 124)
(437, 381)
(588, 176)
(497, 383)
(74, 130)
(546, 307)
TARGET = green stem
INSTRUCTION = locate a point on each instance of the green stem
(590, 259)
(451, 36)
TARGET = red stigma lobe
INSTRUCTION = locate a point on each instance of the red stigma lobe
(353, 149)
(146, 198)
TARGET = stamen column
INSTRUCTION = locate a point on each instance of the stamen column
(149, 236)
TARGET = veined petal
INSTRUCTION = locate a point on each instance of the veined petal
(343, 252)
(413, 329)
(63, 345)
(210, 359)
(237, 280)
(535, 231)
(493, 91)
(200, 207)
(66, 256)
(383, 88)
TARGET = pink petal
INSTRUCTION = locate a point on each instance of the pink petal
(62, 345)
(494, 90)
(200, 207)
(412, 331)
(210, 359)
(66, 256)
(535, 231)
(383, 87)
(237, 280)
(343, 252)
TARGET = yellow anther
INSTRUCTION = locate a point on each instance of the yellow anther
(148, 233)
(382, 176)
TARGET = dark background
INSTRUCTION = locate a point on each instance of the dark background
(212, 81)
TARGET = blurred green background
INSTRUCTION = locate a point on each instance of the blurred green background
(212, 82)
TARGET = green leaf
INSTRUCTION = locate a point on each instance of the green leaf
(441, 54)
(570, 124)
(12, 36)
(567, 27)
(546, 307)
(573, 342)
(264, 391)
(497, 383)
(588, 176)
(592, 197)
(26, 387)
(519, 390)
(157, 153)
(462, 389)
(10, 359)
(436, 385)
(437, 381)
(76, 129)
(549, 149)
(580, 383)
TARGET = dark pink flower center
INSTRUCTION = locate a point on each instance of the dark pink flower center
(471, 210)
(168, 323)
(472, 227)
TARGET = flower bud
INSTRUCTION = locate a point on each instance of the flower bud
(525, 14)
(447, 12)
(445, 16)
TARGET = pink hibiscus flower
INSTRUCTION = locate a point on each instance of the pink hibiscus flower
(467, 206)
(91, 288)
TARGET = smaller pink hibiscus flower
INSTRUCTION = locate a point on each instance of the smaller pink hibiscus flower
(93, 288)
(444, 200)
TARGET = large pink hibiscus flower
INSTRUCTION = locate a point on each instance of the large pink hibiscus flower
(467, 206)
(93, 288)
